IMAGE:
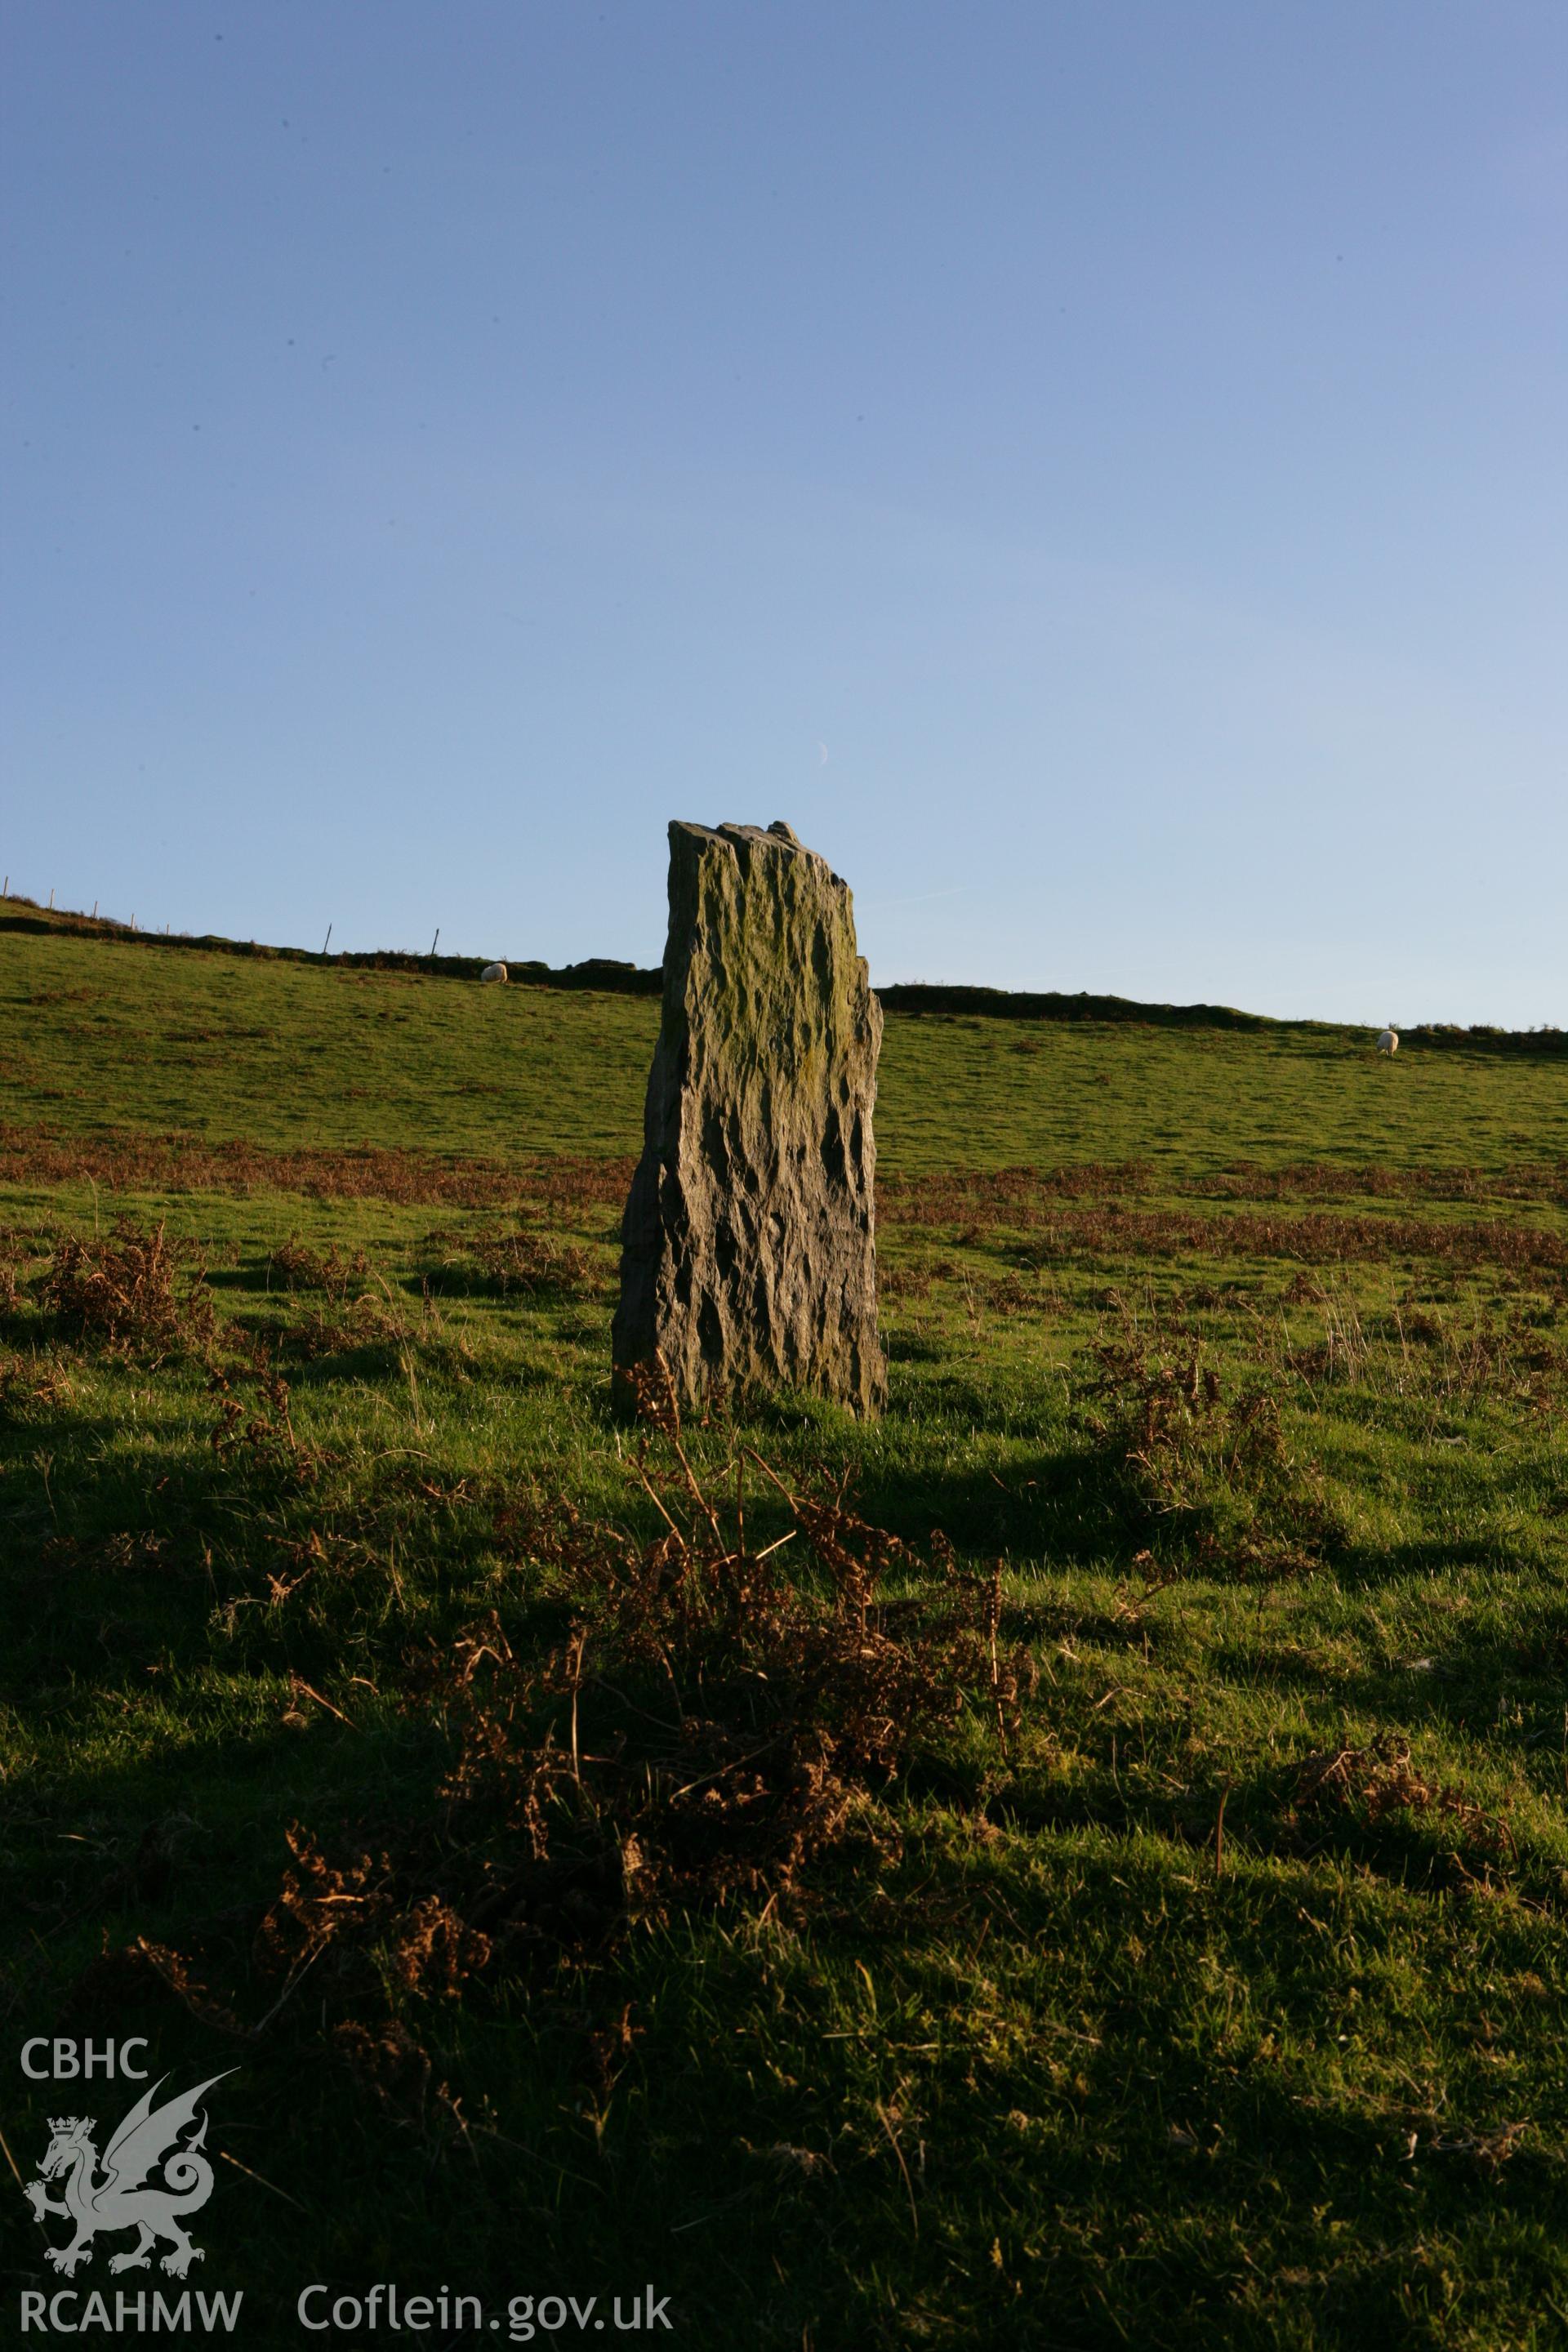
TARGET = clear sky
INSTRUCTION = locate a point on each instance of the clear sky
(1096, 469)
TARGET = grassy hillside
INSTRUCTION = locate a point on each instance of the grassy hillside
(1079, 1862)
(97, 1036)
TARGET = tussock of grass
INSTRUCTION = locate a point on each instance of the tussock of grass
(712, 1723)
(123, 1292)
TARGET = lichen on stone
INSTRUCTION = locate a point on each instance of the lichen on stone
(749, 1242)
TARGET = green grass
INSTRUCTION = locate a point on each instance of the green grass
(1222, 2003)
(100, 1036)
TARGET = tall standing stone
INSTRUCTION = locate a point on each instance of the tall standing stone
(749, 1242)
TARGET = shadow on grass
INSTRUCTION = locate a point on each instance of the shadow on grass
(1362, 1566)
(1188, 2060)
(1069, 1507)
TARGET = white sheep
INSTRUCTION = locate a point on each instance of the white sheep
(1388, 1041)
(493, 971)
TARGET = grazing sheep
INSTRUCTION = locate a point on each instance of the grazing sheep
(493, 971)
(1388, 1043)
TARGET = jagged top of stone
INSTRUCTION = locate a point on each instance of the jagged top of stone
(776, 832)
(742, 838)
(761, 971)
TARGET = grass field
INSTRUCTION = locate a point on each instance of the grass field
(1100, 1881)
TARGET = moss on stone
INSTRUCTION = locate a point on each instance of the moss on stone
(749, 1254)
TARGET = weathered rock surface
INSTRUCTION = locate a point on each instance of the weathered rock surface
(749, 1244)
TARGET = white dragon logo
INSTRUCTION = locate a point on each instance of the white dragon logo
(122, 2199)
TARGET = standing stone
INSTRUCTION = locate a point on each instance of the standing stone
(748, 1251)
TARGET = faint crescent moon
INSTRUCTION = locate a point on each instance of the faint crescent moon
(823, 749)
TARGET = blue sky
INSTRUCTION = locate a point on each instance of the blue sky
(1097, 470)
